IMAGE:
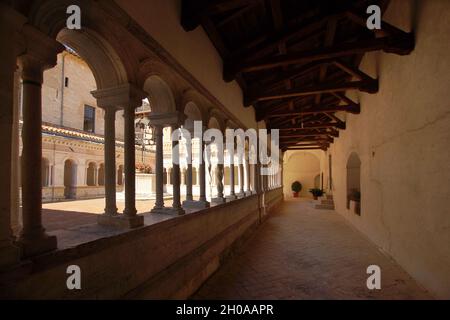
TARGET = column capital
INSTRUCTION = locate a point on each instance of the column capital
(40, 53)
(123, 96)
(167, 119)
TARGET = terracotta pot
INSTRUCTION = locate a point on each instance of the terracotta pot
(316, 198)
(295, 194)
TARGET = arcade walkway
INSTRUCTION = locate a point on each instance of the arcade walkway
(304, 253)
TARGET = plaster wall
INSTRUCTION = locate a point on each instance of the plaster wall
(402, 138)
(302, 166)
(192, 49)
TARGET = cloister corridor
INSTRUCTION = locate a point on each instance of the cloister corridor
(304, 253)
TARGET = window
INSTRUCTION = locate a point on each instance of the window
(89, 119)
(66, 82)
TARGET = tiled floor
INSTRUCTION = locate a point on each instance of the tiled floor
(304, 253)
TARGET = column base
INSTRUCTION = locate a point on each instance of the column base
(240, 195)
(218, 200)
(196, 204)
(121, 221)
(231, 197)
(9, 255)
(37, 245)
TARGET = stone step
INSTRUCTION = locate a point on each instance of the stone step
(327, 202)
(329, 196)
(325, 206)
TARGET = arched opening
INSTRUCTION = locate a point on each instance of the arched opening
(165, 176)
(183, 176)
(354, 183)
(317, 182)
(169, 176)
(101, 175)
(70, 174)
(160, 95)
(301, 166)
(194, 176)
(46, 174)
(120, 175)
(90, 174)
(227, 176)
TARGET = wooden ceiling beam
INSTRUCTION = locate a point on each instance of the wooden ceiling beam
(272, 41)
(396, 45)
(339, 125)
(287, 75)
(344, 108)
(369, 86)
(354, 72)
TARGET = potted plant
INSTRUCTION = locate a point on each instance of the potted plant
(296, 188)
(316, 193)
(143, 168)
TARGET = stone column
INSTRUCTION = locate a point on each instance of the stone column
(110, 162)
(188, 177)
(219, 183)
(219, 178)
(247, 165)
(241, 193)
(232, 195)
(130, 213)
(202, 175)
(10, 23)
(176, 205)
(41, 55)
(188, 180)
(159, 168)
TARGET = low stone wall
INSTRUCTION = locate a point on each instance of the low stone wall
(53, 194)
(270, 200)
(169, 259)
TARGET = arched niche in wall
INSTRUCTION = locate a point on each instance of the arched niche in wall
(354, 181)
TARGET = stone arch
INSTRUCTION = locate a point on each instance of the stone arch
(354, 181)
(101, 58)
(215, 121)
(160, 95)
(102, 49)
(192, 113)
(302, 166)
